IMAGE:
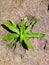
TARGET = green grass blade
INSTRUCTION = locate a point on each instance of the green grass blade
(11, 27)
(13, 22)
(35, 35)
(31, 25)
(10, 36)
(22, 27)
(13, 43)
(28, 43)
(23, 22)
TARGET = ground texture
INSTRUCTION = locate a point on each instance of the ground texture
(17, 10)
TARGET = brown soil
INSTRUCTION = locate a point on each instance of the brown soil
(17, 10)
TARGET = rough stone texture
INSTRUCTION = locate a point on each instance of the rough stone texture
(16, 10)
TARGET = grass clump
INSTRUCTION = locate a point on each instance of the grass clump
(21, 33)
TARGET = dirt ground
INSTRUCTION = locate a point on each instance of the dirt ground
(17, 10)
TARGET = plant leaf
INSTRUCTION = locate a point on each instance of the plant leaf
(10, 36)
(23, 22)
(22, 27)
(28, 43)
(13, 43)
(11, 27)
(31, 25)
(35, 35)
(13, 22)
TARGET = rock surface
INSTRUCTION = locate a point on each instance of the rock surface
(17, 10)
